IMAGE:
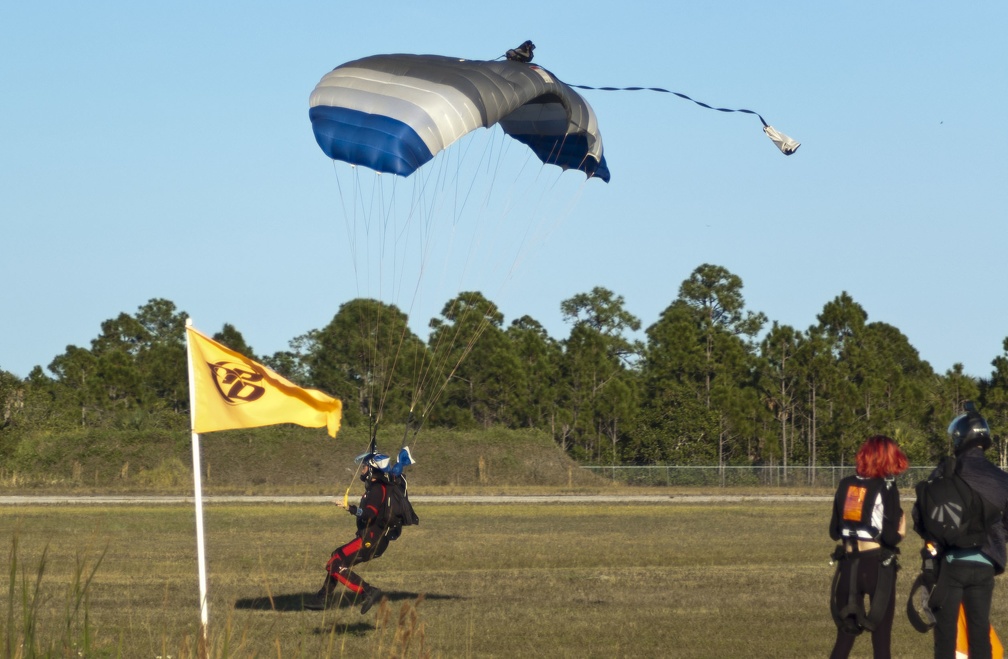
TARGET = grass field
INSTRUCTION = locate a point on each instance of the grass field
(546, 580)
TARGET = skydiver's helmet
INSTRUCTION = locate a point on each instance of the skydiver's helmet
(373, 464)
(969, 430)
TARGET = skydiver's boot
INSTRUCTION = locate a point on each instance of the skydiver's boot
(371, 596)
(322, 598)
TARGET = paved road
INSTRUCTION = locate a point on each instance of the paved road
(105, 500)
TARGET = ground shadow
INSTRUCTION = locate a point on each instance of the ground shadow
(399, 595)
(296, 601)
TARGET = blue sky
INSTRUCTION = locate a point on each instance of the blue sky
(164, 151)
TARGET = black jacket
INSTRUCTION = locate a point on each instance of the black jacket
(888, 534)
(373, 509)
(991, 483)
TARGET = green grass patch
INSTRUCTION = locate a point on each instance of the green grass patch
(280, 460)
(544, 580)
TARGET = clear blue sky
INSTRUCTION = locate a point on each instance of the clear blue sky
(164, 150)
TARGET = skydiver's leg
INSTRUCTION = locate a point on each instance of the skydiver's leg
(358, 550)
(342, 560)
(868, 582)
(947, 617)
(338, 572)
(977, 602)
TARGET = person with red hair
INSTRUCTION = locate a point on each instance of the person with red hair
(869, 523)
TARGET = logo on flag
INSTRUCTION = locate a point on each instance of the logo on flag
(236, 383)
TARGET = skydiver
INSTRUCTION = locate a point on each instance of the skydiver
(966, 576)
(522, 53)
(383, 510)
(869, 522)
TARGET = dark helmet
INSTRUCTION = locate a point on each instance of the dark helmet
(969, 430)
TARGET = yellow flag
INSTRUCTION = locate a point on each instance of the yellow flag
(231, 391)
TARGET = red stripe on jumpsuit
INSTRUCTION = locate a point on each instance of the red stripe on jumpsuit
(351, 548)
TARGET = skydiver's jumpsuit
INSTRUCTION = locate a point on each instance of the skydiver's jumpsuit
(375, 528)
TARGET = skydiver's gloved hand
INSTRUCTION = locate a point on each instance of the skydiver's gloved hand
(341, 503)
(930, 568)
(929, 564)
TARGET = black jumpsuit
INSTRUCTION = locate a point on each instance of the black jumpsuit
(375, 527)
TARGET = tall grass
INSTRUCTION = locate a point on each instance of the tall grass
(26, 635)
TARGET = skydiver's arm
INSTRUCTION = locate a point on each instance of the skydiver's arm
(894, 521)
(834, 527)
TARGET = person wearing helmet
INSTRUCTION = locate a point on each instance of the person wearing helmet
(869, 523)
(966, 576)
(376, 526)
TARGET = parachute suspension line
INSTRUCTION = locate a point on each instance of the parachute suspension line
(447, 180)
(787, 145)
(369, 216)
(452, 346)
(357, 221)
(396, 235)
(394, 240)
(350, 227)
(369, 326)
(481, 327)
(459, 205)
(427, 199)
(389, 252)
(534, 222)
(426, 207)
(445, 366)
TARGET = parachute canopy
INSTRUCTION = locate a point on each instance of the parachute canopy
(393, 113)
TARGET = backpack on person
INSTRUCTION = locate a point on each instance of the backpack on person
(950, 513)
(400, 511)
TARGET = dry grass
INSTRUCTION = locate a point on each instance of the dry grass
(548, 580)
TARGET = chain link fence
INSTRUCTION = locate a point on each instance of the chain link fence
(735, 476)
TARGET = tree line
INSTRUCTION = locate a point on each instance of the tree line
(712, 382)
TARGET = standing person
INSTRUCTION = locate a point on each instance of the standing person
(868, 521)
(383, 510)
(966, 575)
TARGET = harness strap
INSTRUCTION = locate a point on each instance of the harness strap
(852, 617)
(919, 611)
(883, 591)
(845, 617)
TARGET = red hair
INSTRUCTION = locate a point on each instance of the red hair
(879, 457)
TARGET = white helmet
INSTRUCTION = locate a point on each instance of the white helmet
(374, 460)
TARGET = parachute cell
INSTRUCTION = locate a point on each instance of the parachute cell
(393, 113)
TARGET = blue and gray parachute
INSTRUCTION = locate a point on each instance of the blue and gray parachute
(393, 113)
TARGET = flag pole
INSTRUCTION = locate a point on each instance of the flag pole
(198, 498)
